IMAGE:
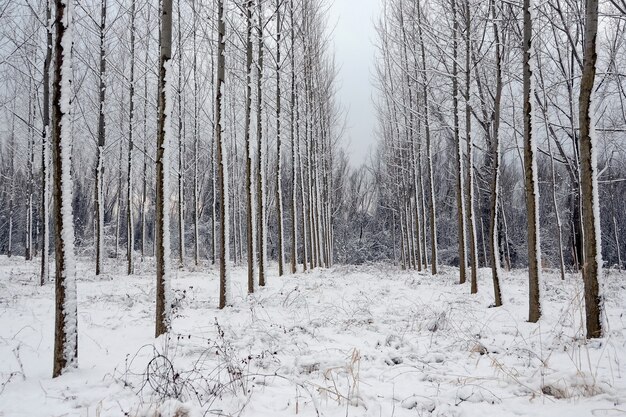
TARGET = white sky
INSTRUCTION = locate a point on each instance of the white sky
(354, 37)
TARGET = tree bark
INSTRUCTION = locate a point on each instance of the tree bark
(162, 233)
(99, 187)
(66, 323)
(592, 267)
(531, 174)
(221, 157)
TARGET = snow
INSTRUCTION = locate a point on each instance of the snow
(359, 341)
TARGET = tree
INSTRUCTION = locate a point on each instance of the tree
(470, 211)
(45, 134)
(457, 139)
(530, 171)
(592, 266)
(278, 177)
(261, 198)
(99, 197)
(221, 160)
(429, 158)
(250, 213)
(66, 323)
(130, 225)
(497, 157)
(162, 235)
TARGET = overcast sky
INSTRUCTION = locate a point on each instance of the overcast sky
(354, 37)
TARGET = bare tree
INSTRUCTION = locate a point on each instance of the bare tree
(99, 193)
(162, 235)
(592, 267)
(66, 323)
(221, 160)
(530, 171)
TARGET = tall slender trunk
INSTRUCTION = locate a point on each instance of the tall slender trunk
(531, 174)
(12, 145)
(459, 148)
(495, 184)
(471, 221)
(164, 133)
(250, 208)
(261, 199)
(196, 191)
(429, 158)
(303, 203)
(144, 185)
(45, 163)
(118, 211)
(279, 187)
(181, 148)
(29, 251)
(592, 267)
(130, 225)
(222, 169)
(294, 176)
(99, 189)
(66, 321)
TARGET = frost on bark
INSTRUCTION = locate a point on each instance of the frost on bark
(260, 149)
(530, 171)
(45, 162)
(181, 149)
(429, 158)
(222, 167)
(65, 334)
(592, 267)
(130, 230)
(162, 232)
(278, 190)
(292, 125)
(459, 150)
(470, 211)
(250, 213)
(99, 187)
(496, 154)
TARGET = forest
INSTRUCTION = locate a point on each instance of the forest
(183, 231)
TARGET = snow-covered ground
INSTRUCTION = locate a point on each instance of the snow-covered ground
(350, 341)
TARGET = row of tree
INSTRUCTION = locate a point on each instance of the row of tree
(222, 115)
(486, 109)
(242, 97)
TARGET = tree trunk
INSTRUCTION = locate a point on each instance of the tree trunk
(181, 149)
(279, 187)
(130, 225)
(162, 233)
(250, 209)
(592, 267)
(459, 150)
(471, 221)
(45, 133)
(99, 187)
(429, 158)
(531, 174)
(261, 154)
(66, 323)
(495, 183)
(196, 191)
(221, 156)
(294, 176)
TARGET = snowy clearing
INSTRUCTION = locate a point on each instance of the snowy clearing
(350, 341)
